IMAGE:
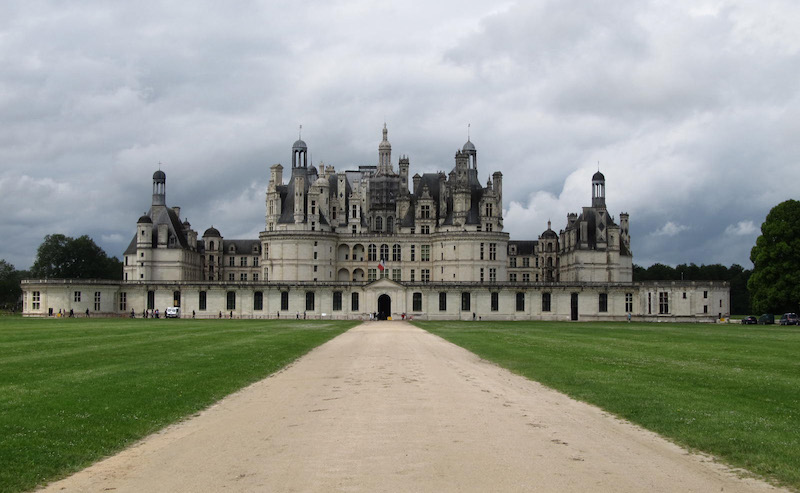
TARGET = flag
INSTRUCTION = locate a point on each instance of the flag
(382, 265)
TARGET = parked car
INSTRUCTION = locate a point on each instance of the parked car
(766, 319)
(789, 319)
(172, 312)
(749, 320)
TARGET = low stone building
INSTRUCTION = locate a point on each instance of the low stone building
(362, 241)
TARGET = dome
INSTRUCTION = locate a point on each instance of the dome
(299, 144)
(550, 234)
(159, 175)
(321, 182)
(144, 220)
(469, 146)
(212, 231)
(598, 177)
(186, 224)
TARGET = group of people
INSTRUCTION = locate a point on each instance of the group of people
(71, 314)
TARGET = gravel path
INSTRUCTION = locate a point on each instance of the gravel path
(389, 407)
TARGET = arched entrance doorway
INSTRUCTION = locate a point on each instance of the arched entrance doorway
(384, 307)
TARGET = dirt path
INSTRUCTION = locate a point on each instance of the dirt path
(389, 407)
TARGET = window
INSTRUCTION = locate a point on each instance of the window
(77, 297)
(284, 300)
(705, 294)
(266, 251)
(488, 210)
(465, 302)
(628, 302)
(495, 302)
(489, 227)
(384, 252)
(481, 252)
(684, 295)
(315, 255)
(492, 251)
(603, 302)
(372, 253)
(202, 301)
(378, 224)
(425, 211)
(313, 206)
(425, 275)
(520, 302)
(372, 274)
(231, 301)
(413, 253)
(384, 273)
(123, 302)
(413, 277)
(512, 262)
(512, 277)
(526, 277)
(492, 274)
(526, 261)
(258, 300)
(442, 301)
(243, 276)
(396, 275)
(231, 276)
(243, 262)
(354, 302)
(417, 302)
(425, 229)
(663, 302)
(36, 297)
(705, 308)
(97, 301)
(337, 301)
(151, 300)
(537, 262)
(231, 262)
(255, 276)
(396, 253)
(425, 253)
(546, 302)
(481, 274)
(310, 301)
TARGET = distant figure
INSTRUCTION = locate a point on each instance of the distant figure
(629, 317)
(71, 313)
(220, 314)
(297, 316)
(87, 313)
(192, 313)
(403, 316)
(231, 316)
(473, 316)
(133, 314)
(279, 314)
(156, 312)
(144, 313)
(304, 315)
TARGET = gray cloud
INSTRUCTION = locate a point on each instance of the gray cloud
(690, 108)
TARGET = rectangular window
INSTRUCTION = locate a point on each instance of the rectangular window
(520, 302)
(243, 276)
(489, 227)
(526, 277)
(442, 301)
(255, 276)
(372, 274)
(396, 274)
(603, 302)
(337, 301)
(396, 253)
(481, 274)
(480, 256)
(465, 302)
(526, 261)
(412, 275)
(492, 274)
(231, 262)
(36, 298)
(384, 273)
(546, 302)
(202, 301)
(417, 302)
(255, 261)
(705, 294)
(284, 300)
(413, 253)
(425, 275)
(315, 255)
(705, 308)
(151, 300)
(425, 253)
(310, 301)
(258, 300)
(354, 302)
(77, 297)
(243, 262)
(512, 277)
(123, 302)
(628, 302)
(512, 262)
(425, 229)
(492, 251)
(663, 302)
(495, 301)
(97, 301)
(425, 211)
(231, 301)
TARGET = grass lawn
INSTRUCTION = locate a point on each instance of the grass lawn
(75, 390)
(729, 390)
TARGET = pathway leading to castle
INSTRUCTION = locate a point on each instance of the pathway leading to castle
(389, 407)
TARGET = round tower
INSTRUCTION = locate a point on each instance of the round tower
(599, 190)
(159, 188)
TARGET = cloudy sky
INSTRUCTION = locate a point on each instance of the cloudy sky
(691, 110)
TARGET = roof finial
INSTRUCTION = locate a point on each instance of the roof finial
(300, 133)
(598, 165)
(468, 125)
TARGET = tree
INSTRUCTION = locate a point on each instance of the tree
(10, 290)
(61, 256)
(775, 283)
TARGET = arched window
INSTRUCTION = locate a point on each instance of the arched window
(396, 253)
(372, 253)
(384, 252)
(378, 224)
(211, 245)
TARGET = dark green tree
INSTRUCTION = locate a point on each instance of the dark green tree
(64, 257)
(10, 290)
(775, 283)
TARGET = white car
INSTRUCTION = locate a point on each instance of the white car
(172, 312)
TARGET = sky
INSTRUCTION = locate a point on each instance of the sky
(691, 109)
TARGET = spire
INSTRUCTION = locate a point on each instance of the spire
(385, 153)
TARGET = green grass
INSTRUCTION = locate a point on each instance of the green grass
(73, 391)
(728, 390)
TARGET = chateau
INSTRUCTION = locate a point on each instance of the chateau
(344, 244)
